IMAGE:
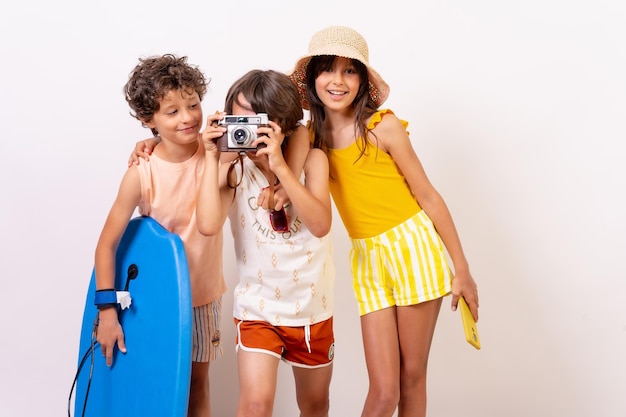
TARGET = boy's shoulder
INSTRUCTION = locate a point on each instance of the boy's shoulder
(155, 159)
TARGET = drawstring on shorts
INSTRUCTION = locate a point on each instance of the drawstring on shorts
(307, 337)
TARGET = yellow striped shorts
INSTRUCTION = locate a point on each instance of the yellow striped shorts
(403, 266)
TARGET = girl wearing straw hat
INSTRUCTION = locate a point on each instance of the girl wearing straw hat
(399, 225)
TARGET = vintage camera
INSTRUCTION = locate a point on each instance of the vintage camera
(241, 132)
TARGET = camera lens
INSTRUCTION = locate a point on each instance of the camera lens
(240, 135)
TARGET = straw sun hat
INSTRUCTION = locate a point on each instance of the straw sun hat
(345, 42)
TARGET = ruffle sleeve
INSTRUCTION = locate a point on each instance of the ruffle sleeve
(378, 116)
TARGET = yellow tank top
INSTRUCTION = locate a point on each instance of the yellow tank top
(370, 193)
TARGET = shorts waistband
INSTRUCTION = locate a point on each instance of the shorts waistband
(409, 225)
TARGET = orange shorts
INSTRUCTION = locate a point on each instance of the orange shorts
(305, 346)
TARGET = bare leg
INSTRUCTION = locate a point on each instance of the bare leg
(382, 355)
(199, 393)
(257, 383)
(313, 390)
(416, 326)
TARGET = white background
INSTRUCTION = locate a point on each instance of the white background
(517, 110)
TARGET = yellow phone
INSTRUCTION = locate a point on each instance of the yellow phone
(469, 325)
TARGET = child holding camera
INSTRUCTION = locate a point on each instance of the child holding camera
(295, 154)
(283, 304)
(164, 94)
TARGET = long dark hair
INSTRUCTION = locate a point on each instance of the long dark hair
(362, 105)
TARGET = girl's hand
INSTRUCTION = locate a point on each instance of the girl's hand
(281, 199)
(272, 136)
(211, 133)
(143, 149)
(463, 285)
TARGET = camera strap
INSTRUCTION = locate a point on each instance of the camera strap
(271, 197)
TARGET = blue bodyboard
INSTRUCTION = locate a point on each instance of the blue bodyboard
(153, 377)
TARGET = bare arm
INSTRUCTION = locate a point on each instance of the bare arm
(297, 149)
(296, 153)
(396, 141)
(214, 195)
(109, 329)
(315, 208)
(312, 200)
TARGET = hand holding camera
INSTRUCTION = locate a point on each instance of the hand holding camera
(212, 133)
(241, 132)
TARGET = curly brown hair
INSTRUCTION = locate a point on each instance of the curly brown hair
(156, 76)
